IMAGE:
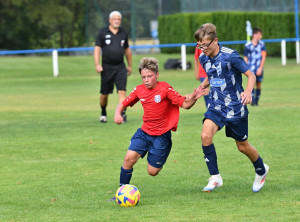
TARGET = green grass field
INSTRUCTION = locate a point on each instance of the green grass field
(58, 163)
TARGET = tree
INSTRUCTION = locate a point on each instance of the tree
(61, 20)
(27, 24)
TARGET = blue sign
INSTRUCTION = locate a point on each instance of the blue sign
(154, 34)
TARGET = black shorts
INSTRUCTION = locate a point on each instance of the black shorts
(113, 75)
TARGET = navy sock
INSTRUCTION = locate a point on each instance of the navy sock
(125, 176)
(259, 166)
(103, 110)
(257, 95)
(253, 95)
(210, 157)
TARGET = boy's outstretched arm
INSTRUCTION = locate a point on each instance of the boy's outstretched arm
(191, 99)
(204, 84)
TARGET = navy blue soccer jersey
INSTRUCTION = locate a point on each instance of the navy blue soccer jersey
(224, 73)
(254, 54)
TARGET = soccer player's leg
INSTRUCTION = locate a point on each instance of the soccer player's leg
(261, 169)
(238, 129)
(158, 152)
(259, 80)
(130, 159)
(121, 81)
(259, 180)
(153, 171)
(103, 104)
(258, 92)
(105, 89)
(253, 97)
(138, 148)
(211, 124)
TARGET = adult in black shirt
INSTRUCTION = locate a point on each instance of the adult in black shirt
(112, 44)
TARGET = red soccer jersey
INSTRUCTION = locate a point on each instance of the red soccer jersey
(202, 73)
(161, 107)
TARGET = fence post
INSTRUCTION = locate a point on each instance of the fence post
(297, 52)
(283, 52)
(183, 57)
(55, 63)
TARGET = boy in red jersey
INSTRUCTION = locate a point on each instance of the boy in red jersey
(161, 114)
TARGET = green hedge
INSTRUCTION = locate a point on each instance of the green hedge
(231, 26)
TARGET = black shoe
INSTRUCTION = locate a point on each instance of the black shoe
(112, 199)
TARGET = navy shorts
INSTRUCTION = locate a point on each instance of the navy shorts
(113, 75)
(158, 147)
(260, 78)
(236, 128)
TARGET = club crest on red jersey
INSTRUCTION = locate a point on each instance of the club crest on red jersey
(157, 98)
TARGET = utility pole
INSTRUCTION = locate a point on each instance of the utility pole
(133, 24)
(159, 8)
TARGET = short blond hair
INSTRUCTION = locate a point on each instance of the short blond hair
(206, 30)
(149, 63)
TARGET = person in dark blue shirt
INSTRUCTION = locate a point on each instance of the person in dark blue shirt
(227, 107)
(255, 56)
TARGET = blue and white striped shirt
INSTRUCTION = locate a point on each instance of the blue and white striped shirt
(224, 73)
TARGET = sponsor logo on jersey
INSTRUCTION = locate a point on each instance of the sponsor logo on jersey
(157, 98)
(216, 82)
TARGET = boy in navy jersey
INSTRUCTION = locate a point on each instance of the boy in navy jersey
(255, 56)
(161, 114)
(224, 68)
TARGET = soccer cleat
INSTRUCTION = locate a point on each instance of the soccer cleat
(213, 182)
(112, 199)
(103, 119)
(260, 180)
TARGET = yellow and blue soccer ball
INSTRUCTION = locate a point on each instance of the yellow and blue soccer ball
(128, 195)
